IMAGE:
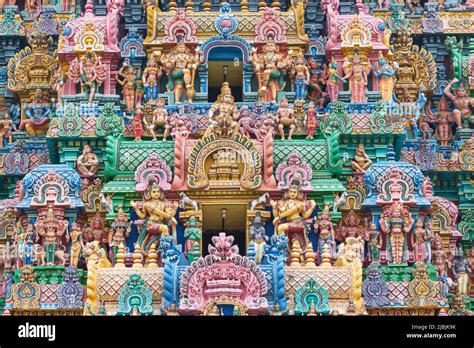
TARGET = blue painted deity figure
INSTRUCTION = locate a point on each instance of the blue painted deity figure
(28, 246)
(301, 77)
(386, 74)
(38, 113)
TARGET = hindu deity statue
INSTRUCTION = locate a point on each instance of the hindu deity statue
(357, 75)
(349, 227)
(386, 74)
(285, 119)
(77, 244)
(300, 74)
(268, 125)
(151, 78)
(97, 225)
(192, 234)
(7, 126)
(257, 236)
(139, 86)
(126, 77)
(461, 269)
(374, 241)
(291, 214)
(311, 122)
(323, 226)
(223, 114)
(51, 228)
(246, 123)
(361, 161)
(396, 223)
(271, 68)
(90, 72)
(181, 66)
(59, 84)
(159, 213)
(420, 238)
(38, 115)
(137, 122)
(119, 232)
(315, 92)
(27, 251)
(159, 120)
(439, 257)
(333, 78)
(87, 163)
(463, 104)
(442, 119)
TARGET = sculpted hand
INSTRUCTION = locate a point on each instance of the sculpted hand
(133, 204)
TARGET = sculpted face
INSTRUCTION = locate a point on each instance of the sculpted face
(270, 47)
(228, 99)
(284, 103)
(293, 194)
(156, 193)
(461, 92)
(87, 149)
(180, 48)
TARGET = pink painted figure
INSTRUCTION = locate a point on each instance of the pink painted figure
(419, 240)
(137, 120)
(311, 122)
(246, 123)
(357, 77)
(463, 104)
(160, 119)
(285, 119)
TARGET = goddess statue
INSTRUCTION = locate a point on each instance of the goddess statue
(361, 161)
(126, 77)
(323, 226)
(285, 119)
(139, 86)
(291, 212)
(192, 234)
(396, 224)
(357, 76)
(87, 163)
(151, 77)
(181, 66)
(420, 237)
(386, 74)
(333, 79)
(461, 269)
(159, 213)
(227, 113)
(463, 104)
(440, 259)
(311, 122)
(300, 74)
(77, 244)
(59, 84)
(51, 229)
(270, 67)
(90, 72)
(374, 242)
(120, 230)
(137, 122)
(38, 113)
(257, 236)
(315, 92)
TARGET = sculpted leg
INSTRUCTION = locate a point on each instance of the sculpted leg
(282, 132)
(292, 130)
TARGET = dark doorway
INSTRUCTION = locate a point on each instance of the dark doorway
(234, 224)
(224, 65)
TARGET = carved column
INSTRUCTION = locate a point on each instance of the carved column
(244, 6)
(189, 6)
(206, 6)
